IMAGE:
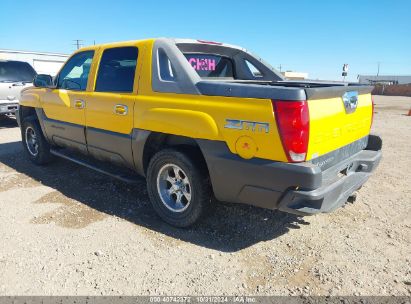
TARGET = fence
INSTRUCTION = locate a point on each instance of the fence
(392, 90)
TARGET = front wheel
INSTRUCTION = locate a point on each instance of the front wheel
(34, 143)
(178, 187)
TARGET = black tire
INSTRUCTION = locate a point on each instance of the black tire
(40, 155)
(200, 189)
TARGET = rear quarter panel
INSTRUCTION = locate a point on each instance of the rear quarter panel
(205, 118)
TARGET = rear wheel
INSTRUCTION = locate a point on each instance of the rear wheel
(34, 143)
(178, 187)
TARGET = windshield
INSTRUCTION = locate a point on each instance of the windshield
(16, 71)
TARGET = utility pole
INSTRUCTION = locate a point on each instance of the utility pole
(280, 67)
(378, 68)
(77, 43)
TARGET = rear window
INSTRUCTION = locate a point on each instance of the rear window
(16, 71)
(210, 65)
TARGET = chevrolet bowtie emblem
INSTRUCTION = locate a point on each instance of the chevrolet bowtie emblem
(350, 100)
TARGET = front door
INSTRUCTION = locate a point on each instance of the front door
(64, 106)
(109, 112)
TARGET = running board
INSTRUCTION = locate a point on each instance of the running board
(114, 173)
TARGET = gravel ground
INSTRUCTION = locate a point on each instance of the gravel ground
(66, 230)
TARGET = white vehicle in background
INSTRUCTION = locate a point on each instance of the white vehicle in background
(42, 62)
(14, 77)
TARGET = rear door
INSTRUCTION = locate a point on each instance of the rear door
(109, 112)
(64, 106)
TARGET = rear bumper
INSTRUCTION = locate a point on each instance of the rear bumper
(300, 188)
(334, 192)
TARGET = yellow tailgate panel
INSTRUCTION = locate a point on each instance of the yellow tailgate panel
(332, 128)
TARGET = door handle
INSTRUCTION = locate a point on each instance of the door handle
(79, 104)
(120, 109)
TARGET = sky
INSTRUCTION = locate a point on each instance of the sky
(313, 36)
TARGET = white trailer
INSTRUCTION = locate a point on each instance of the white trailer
(43, 63)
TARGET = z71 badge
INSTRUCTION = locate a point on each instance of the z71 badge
(254, 126)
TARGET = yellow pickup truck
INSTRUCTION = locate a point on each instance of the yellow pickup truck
(203, 120)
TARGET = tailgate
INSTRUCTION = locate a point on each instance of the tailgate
(339, 116)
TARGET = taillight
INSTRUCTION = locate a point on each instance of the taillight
(294, 126)
(372, 113)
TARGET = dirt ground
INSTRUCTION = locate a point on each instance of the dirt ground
(66, 230)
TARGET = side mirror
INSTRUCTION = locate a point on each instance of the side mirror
(43, 81)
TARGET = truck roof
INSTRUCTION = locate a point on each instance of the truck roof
(148, 40)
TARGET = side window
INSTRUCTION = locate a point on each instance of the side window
(166, 70)
(253, 70)
(74, 75)
(117, 70)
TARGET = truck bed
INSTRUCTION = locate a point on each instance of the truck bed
(281, 90)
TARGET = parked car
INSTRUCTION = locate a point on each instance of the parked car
(14, 76)
(202, 119)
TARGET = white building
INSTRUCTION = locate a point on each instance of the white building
(295, 75)
(43, 63)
